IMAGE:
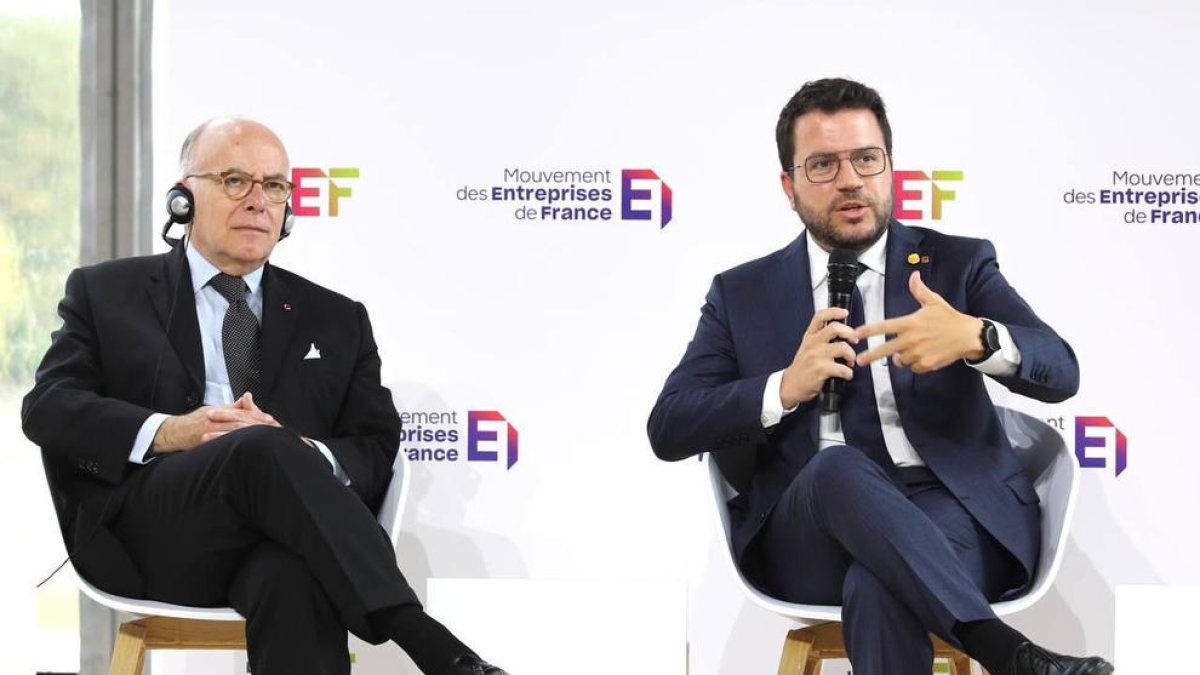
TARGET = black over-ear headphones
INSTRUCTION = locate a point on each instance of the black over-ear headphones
(181, 208)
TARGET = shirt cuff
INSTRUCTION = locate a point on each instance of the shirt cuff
(338, 473)
(145, 438)
(1004, 361)
(772, 404)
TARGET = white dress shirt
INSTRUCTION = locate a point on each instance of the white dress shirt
(210, 313)
(1004, 361)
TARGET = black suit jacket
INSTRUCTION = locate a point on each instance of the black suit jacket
(116, 360)
(751, 326)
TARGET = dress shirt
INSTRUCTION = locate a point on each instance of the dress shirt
(210, 313)
(1004, 361)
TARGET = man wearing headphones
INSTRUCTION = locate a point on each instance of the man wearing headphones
(214, 429)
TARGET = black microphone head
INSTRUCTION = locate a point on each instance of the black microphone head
(843, 271)
(843, 256)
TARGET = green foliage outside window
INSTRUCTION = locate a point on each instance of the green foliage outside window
(39, 185)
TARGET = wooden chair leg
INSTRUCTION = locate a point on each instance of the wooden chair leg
(796, 650)
(164, 632)
(160, 632)
(960, 664)
(129, 651)
(813, 667)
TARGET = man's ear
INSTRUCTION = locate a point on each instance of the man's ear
(786, 182)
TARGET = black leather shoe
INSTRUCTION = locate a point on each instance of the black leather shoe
(473, 665)
(1031, 659)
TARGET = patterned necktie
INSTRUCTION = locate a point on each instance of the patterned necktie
(860, 412)
(239, 335)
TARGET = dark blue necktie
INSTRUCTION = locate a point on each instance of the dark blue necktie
(239, 337)
(860, 413)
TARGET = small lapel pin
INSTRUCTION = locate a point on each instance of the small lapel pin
(313, 352)
(924, 260)
(913, 259)
(287, 307)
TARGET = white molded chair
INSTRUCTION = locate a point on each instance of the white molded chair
(168, 626)
(1047, 461)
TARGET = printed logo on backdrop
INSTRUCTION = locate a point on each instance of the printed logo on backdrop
(572, 195)
(1099, 444)
(437, 436)
(319, 192)
(1144, 198)
(921, 195)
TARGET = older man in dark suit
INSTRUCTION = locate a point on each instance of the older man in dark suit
(214, 430)
(904, 503)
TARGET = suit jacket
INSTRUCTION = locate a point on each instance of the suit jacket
(751, 325)
(116, 360)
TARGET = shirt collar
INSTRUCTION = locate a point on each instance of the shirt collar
(874, 258)
(203, 271)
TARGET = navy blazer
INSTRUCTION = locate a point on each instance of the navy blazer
(752, 324)
(116, 360)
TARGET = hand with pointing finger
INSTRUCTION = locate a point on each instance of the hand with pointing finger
(930, 338)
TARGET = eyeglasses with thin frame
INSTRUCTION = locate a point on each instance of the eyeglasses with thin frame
(238, 184)
(824, 167)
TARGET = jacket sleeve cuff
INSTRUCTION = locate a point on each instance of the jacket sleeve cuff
(1004, 362)
(772, 406)
(145, 438)
(338, 472)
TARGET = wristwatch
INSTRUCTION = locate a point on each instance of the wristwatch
(990, 337)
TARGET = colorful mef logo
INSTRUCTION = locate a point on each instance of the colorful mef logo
(489, 434)
(308, 186)
(1099, 432)
(647, 183)
(909, 190)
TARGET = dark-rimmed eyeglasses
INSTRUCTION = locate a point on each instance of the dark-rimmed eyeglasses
(238, 184)
(824, 167)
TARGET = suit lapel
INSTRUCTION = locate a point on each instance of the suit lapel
(789, 288)
(183, 331)
(906, 251)
(282, 307)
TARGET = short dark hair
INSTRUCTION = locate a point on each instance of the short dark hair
(828, 95)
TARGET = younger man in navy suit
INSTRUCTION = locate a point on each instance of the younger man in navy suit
(907, 506)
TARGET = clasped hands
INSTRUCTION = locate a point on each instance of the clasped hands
(929, 339)
(184, 432)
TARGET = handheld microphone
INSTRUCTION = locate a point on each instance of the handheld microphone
(843, 272)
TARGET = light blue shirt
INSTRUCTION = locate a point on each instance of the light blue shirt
(210, 314)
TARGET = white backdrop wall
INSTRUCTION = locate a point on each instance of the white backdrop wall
(568, 328)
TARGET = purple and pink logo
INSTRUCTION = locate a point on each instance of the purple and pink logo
(906, 193)
(1104, 435)
(489, 434)
(648, 183)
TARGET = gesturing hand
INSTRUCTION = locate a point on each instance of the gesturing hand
(930, 338)
(183, 432)
(821, 356)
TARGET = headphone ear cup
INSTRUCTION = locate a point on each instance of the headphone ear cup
(181, 205)
(289, 220)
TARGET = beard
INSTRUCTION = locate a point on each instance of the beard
(822, 229)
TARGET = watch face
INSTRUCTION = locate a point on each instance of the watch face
(991, 337)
